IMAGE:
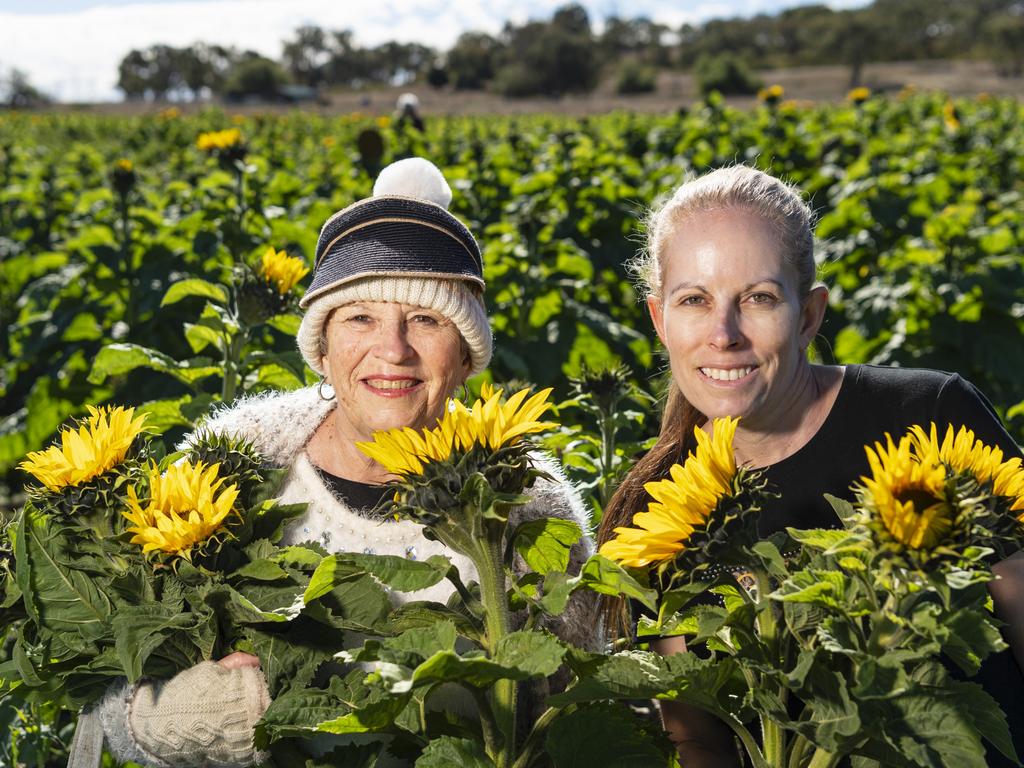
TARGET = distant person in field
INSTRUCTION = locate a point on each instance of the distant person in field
(729, 275)
(394, 324)
(407, 112)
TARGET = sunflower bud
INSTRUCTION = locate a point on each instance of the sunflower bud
(122, 176)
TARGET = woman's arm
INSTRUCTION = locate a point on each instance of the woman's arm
(1008, 596)
(202, 716)
(702, 740)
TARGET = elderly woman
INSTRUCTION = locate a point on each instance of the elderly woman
(730, 280)
(394, 323)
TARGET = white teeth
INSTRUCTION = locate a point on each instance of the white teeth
(387, 384)
(726, 374)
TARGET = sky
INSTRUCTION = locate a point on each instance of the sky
(70, 49)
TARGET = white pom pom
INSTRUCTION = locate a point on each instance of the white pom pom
(414, 177)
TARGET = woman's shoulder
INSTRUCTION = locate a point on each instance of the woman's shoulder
(923, 395)
(554, 495)
(905, 382)
(278, 423)
(917, 392)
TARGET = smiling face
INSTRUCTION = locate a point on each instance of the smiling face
(391, 365)
(732, 318)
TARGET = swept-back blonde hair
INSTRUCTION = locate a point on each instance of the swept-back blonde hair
(737, 187)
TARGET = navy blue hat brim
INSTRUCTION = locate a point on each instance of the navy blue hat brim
(393, 236)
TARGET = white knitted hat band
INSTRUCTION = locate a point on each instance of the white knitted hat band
(453, 299)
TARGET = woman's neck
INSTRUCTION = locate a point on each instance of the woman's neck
(793, 422)
(333, 449)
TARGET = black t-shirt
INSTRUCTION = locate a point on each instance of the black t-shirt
(873, 400)
(362, 498)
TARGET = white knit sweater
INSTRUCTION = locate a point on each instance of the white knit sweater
(280, 425)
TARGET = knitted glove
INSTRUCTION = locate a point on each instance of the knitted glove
(203, 716)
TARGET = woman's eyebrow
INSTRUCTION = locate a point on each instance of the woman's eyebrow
(685, 286)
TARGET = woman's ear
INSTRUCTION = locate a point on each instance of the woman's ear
(812, 313)
(656, 310)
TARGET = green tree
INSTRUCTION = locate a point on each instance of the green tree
(306, 56)
(16, 92)
(471, 61)
(549, 58)
(254, 76)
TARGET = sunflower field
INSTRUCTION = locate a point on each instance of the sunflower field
(155, 261)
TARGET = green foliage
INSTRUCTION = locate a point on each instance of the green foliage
(130, 295)
(726, 73)
(634, 77)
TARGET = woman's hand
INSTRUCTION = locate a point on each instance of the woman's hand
(701, 739)
(239, 660)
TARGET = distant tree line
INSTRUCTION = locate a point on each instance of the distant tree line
(564, 54)
(16, 92)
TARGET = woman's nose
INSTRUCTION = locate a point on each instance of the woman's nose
(392, 344)
(725, 330)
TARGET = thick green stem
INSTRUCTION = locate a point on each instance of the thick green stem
(232, 360)
(494, 597)
(488, 726)
(127, 261)
(774, 736)
(797, 751)
(749, 743)
(823, 759)
(540, 729)
(607, 458)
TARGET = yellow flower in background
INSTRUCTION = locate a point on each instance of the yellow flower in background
(383, 121)
(489, 424)
(282, 270)
(682, 504)
(859, 95)
(96, 446)
(184, 508)
(950, 116)
(209, 141)
(328, 141)
(169, 114)
(962, 452)
(772, 94)
(238, 119)
(907, 492)
(125, 165)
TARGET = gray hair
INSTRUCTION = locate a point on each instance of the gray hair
(735, 187)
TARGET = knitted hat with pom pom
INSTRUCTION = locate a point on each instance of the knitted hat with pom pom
(400, 245)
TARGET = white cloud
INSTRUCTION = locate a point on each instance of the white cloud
(73, 54)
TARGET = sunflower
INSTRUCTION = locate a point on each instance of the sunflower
(282, 270)
(907, 492)
(859, 95)
(682, 504)
(183, 511)
(493, 424)
(490, 424)
(964, 454)
(403, 451)
(96, 446)
(209, 141)
(772, 94)
(950, 116)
